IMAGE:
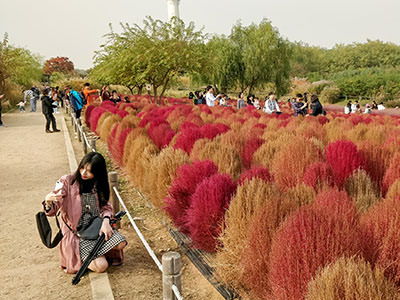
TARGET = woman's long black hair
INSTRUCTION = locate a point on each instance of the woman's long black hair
(99, 169)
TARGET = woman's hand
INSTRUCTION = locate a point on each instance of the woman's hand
(54, 196)
(106, 228)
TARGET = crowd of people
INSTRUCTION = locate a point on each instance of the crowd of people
(299, 105)
(355, 107)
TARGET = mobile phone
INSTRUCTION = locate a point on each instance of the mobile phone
(58, 186)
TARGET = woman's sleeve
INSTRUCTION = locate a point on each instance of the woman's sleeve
(107, 210)
(56, 205)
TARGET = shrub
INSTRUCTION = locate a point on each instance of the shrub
(137, 135)
(265, 155)
(300, 195)
(187, 138)
(319, 175)
(206, 212)
(250, 147)
(225, 157)
(330, 94)
(118, 146)
(107, 126)
(291, 162)
(351, 279)
(255, 259)
(343, 157)
(188, 176)
(376, 160)
(392, 173)
(255, 172)
(136, 155)
(380, 227)
(394, 190)
(309, 240)
(360, 187)
(161, 172)
(250, 197)
(161, 134)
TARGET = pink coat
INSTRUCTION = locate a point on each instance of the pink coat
(70, 212)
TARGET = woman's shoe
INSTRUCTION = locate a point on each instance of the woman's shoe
(49, 131)
(56, 130)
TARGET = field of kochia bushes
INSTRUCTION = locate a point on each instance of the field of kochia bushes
(294, 208)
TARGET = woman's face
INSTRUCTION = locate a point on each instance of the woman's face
(86, 172)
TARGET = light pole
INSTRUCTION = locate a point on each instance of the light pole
(173, 9)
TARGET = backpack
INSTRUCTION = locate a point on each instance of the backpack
(84, 101)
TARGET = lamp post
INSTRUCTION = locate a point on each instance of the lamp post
(173, 9)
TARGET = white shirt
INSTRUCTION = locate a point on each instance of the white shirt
(271, 106)
(353, 108)
(381, 107)
(210, 99)
(346, 110)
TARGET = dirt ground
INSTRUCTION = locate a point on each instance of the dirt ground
(30, 163)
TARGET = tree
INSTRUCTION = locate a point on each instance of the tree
(17, 66)
(58, 64)
(249, 58)
(153, 54)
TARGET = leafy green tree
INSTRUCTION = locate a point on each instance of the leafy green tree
(153, 54)
(249, 58)
(17, 65)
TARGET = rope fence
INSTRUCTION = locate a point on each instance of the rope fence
(171, 264)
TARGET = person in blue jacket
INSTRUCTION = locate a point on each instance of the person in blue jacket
(76, 101)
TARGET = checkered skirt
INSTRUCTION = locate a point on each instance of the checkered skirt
(89, 210)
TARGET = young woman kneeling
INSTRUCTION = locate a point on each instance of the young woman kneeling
(84, 195)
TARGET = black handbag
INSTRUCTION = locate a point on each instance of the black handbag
(45, 231)
(91, 231)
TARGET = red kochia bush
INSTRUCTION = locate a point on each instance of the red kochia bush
(118, 154)
(250, 147)
(207, 210)
(392, 173)
(88, 112)
(380, 227)
(186, 138)
(210, 131)
(184, 185)
(344, 158)
(311, 239)
(161, 133)
(255, 172)
(319, 175)
(95, 116)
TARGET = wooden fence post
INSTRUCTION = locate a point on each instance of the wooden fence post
(113, 180)
(93, 144)
(171, 265)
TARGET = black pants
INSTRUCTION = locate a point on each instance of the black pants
(1, 122)
(50, 119)
(78, 113)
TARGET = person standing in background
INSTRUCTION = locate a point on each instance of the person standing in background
(28, 95)
(87, 92)
(47, 109)
(75, 100)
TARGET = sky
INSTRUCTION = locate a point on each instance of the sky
(75, 28)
